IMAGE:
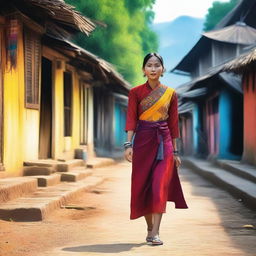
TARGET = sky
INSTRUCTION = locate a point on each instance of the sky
(168, 10)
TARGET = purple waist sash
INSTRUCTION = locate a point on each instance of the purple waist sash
(162, 133)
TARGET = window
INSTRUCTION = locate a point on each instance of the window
(67, 104)
(32, 55)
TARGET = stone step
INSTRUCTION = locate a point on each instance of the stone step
(38, 170)
(41, 203)
(75, 175)
(45, 181)
(42, 163)
(243, 170)
(70, 164)
(11, 188)
(97, 162)
(237, 186)
(49, 166)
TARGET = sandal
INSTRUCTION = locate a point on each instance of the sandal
(156, 240)
(149, 238)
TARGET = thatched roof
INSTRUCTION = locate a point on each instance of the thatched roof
(241, 62)
(189, 85)
(102, 64)
(56, 11)
(186, 107)
(65, 14)
(238, 33)
(232, 80)
(195, 93)
(83, 58)
(244, 11)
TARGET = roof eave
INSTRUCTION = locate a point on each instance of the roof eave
(105, 67)
(183, 65)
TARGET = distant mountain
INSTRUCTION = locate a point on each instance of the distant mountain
(176, 38)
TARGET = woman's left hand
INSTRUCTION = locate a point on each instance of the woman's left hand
(177, 161)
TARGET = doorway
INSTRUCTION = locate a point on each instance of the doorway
(213, 125)
(45, 134)
(84, 113)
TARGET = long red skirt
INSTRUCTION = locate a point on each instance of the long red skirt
(154, 182)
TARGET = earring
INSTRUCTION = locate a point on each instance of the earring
(162, 74)
(144, 75)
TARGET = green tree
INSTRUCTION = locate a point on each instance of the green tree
(218, 11)
(127, 36)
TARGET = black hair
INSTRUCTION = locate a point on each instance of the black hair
(149, 55)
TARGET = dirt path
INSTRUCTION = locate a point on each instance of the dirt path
(211, 226)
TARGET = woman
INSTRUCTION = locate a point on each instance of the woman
(152, 116)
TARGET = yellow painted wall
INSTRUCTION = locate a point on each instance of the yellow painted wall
(90, 146)
(13, 90)
(73, 141)
(21, 125)
(76, 112)
(63, 147)
(31, 134)
(58, 112)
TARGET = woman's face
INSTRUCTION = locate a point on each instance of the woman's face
(153, 68)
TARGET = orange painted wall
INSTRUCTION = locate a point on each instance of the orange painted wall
(249, 154)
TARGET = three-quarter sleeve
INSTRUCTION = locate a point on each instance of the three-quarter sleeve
(173, 119)
(132, 112)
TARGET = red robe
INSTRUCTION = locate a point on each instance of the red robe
(154, 182)
(134, 109)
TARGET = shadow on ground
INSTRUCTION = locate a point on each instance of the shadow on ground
(104, 248)
(232, 212)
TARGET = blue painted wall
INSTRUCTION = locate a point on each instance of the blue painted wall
(196, 127)
(225, 114)
(119, 125)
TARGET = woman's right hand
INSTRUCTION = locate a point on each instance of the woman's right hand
(128, 154)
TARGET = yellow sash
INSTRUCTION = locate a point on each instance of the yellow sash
(153, 113)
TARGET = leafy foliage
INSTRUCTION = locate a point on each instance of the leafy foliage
(217, 12)
(127, 36)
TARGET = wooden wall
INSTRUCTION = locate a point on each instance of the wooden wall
(249, 85)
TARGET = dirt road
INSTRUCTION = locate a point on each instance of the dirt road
(213, 224)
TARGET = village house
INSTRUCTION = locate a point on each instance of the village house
(57, 100)
(245, 65)
(211, 103)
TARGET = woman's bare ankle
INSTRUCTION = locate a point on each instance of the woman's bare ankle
(154, 232)
(150, 228)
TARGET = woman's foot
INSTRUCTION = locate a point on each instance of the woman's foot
(156, 240)
(149, 236)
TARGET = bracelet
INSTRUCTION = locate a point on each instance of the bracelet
(175, 152)
(127, 144)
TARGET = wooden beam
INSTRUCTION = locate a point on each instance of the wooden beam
(52, 54)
